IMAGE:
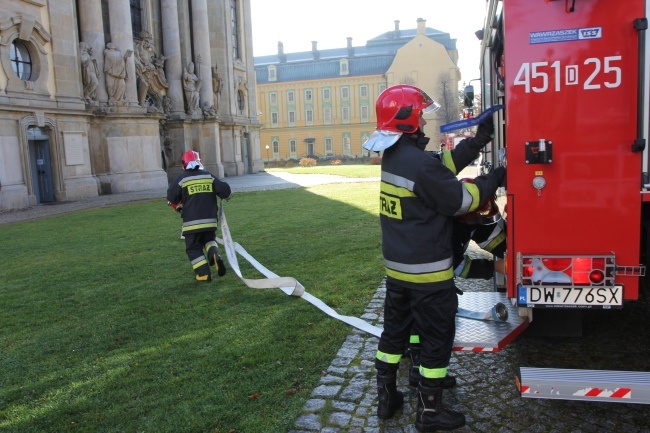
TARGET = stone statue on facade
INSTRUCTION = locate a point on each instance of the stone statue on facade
(89, 74)
(208, 111)
(149, 69)
(167, 104)
(116, 74)
(192, 86)
(217, 82)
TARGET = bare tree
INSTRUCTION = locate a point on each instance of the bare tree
(448, 98)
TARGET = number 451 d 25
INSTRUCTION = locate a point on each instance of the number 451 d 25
(537, 76)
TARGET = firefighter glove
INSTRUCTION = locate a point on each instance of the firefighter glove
(499, 174)
(485, 131)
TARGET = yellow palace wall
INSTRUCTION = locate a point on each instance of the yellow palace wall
(357, 129)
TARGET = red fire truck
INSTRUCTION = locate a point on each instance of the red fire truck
(572, 76)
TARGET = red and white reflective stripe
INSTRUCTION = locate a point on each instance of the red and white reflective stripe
(604, 393)
(475, 349)
(525, 389)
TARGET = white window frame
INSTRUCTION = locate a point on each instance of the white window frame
(327, 116)
(365, 113)
(275, 148)
(293, 148)
(328, 145)
(345, 114)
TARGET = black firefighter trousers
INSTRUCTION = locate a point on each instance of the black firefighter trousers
(194, 244)
(433, 312)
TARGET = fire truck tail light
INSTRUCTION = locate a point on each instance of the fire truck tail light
(596, 276)
(559, 264)
(567, 270)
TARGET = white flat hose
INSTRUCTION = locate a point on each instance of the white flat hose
(288, 285)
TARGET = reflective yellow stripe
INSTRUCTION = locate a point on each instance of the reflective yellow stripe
(433, 373)
(199, 226)
(495, 242)
(448, 161)
(211, 244)
(388, 358)
(467, 263)
(396, 180)
(199, 263)
(396, 191)
(429, 277)
(475, 193)
(414, 339)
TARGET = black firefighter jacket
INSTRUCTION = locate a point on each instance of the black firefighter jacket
(198, 190)
(419, 197)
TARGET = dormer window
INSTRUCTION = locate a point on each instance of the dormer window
(343, 67)
(272, 73)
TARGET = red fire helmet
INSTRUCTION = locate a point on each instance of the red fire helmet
(189, 156)
(399, 108)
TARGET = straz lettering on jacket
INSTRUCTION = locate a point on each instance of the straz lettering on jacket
(198, 186)
(390, 197)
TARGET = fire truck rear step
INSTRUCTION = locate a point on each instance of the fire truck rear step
(603, 386)
(486, 336)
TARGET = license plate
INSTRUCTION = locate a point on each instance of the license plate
(571, 296)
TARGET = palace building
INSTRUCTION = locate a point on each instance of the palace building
(321, 103)
(104, 96)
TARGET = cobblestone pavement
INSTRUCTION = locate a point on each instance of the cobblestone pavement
(346, 398)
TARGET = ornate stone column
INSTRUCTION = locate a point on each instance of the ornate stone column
(119, 13)
(172, 52)
(201, 33)
(92, 33)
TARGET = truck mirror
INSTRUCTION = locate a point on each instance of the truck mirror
(468, 96)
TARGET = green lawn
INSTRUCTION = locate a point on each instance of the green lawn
(340, 170)
(103, 328)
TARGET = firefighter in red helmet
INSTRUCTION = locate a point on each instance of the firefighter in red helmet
(195, 192)
(419, 198)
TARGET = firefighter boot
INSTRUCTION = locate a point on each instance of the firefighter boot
(215, 258)
(389, 398)
(432, 415)
(201, 270)
(448, 381)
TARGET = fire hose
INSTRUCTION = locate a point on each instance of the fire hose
(291, 286)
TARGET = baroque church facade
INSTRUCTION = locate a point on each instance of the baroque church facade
(104, 96)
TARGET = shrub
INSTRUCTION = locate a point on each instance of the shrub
(282, 163)
(335, 162)
(290, 164)
(375, 160)
(307, 162)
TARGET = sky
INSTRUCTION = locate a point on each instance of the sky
(330, 22)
